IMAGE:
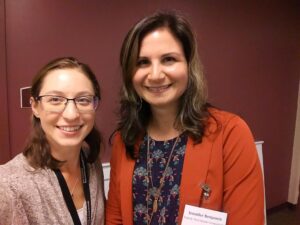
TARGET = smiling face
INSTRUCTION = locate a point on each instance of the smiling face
(67, 129)
(161, 76)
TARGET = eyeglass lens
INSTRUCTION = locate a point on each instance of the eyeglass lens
(58, 103)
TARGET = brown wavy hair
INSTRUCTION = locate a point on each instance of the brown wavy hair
(37, 149)
(134, 113)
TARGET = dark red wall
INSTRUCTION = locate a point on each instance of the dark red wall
(4, 135)
(250, 52)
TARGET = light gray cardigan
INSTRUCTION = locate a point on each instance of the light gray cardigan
(34, 197)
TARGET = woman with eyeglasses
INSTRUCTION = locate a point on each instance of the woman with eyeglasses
(58, 178)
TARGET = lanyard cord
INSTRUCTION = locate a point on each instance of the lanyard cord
(86, 187)
(66, 193)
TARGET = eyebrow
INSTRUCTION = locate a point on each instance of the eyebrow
(60, 93)
(172, 53)
(164, 55)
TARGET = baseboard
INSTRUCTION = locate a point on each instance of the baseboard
(285, 205)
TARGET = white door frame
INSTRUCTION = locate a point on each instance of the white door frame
(295, 167)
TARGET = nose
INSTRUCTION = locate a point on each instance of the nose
(156, 72)
(70, 112)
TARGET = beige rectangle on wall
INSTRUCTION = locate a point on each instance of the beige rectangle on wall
(25, 97)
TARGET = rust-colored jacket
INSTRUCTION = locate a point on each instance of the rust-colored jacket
(226, 160)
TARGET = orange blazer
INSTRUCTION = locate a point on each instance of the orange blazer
(226, 160)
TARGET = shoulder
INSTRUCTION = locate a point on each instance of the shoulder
(117, 138)
(18, 176)
(15, 168)
(118, 145)
(230, 132)
(224, 121)
(233, 135)
(120, 150)
(14, 177)
(223, 117)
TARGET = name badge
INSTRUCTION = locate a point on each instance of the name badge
(195, 215)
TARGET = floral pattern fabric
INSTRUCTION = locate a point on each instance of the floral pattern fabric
(168, 201)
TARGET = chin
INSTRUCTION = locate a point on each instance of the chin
(70, 144)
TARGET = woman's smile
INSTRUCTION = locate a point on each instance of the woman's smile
(70, 128)
(158, 89)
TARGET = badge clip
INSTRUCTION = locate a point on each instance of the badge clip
(206, 191)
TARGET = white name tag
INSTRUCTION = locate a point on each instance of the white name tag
(194, 215)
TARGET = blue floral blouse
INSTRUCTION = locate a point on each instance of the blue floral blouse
(168, 201)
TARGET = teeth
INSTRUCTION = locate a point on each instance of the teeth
(70, 129)
(158, 89)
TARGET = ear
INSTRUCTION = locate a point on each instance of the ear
(34, 107)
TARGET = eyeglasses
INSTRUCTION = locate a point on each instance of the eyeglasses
(54, 103)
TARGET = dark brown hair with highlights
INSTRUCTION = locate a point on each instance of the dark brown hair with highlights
(134, 113)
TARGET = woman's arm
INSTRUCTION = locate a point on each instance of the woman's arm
(243, 181)
(113, 206)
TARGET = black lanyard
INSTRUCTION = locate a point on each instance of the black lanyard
(86, 189)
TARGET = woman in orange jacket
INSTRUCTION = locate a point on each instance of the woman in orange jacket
(172, 149)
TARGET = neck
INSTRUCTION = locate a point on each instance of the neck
(161, 126)
(71, 167)
(71, 172)
(71, 159)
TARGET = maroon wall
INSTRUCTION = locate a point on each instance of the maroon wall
(4, 135)
(250, 53)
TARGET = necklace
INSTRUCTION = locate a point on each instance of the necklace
(157, 191)
(73, 189)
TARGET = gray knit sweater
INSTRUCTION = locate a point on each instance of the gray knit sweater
(34, 197)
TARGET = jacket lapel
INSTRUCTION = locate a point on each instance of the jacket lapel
(195, 168)
(126, 190)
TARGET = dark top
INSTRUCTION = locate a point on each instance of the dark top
(168, 199)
